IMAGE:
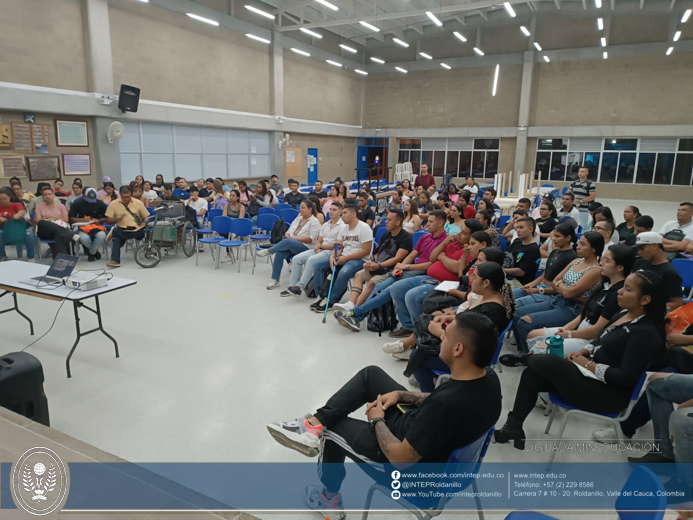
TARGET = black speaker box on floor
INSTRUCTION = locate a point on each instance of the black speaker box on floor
(21, 386)
(129, 98)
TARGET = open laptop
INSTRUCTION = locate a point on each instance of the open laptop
(60, 269)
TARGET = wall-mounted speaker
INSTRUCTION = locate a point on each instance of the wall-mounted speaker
(129, 98)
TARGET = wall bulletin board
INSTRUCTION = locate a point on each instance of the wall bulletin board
(12, 166)
(43, 167)
(71, 133)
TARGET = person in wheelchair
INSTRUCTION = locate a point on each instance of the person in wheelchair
(128, 216)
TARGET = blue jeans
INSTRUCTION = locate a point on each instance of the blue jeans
(381, 295)
(283, 250)
(345, 273)
(408, 296)
(519, 293)
(554, 313)
(92, 244)
(29, 241)
(425, 376)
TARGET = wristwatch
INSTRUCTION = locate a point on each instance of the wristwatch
(570, 333)
(374, 421)
(407, 268)
(541, 290)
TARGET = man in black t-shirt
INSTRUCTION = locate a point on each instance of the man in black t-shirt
(318, 191)
(652, 259)
(455, 414)
(525, 253)
(89, 208)
(294, 197)
(365, 213)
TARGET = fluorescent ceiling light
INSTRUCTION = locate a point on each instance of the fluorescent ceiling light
(327, 4)
(334, 63)
(347, 48)
(401, 69)
(445, 66)
(524, 30)
(510, 9)
(600, 24)
(613, 141)
(377, 60)
(257, 38)
(605, 54)
(259, 11)
(686, 15)
(537, 46)
(459, 36)
(598, 4)
(400, 42)
(478, 51)
(670, 50)
(361, 72)
(434, 18)
(312, 33)
(145, 1)
(299, 51)
(424, 55)
(369, 26)
(546, 59)
(202, 19)
(677, 36)
(603, 40)
(495, 79)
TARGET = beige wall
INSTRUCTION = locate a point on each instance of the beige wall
(317, 91)
(178, 60)
(338, 156)
(506, 157)
(438, 99)
(42, 43)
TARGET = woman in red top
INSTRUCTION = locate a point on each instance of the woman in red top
(10, 209)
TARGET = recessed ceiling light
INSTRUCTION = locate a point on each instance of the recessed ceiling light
(334, 63)
(677, 36)
(478, 51)
(257, 38)
(670, 50)
(424, 55)
(144, 1)
(434, 18)
(524, 30)
(686, 15)
(445, 66)
(401, 69)
(537, 46)
(347, 48)
(400, 42)
(299, 51)
(369, 26)
(377, 60)
(510, 9)
(605, 55)
(202, 19)
(327, 4)
(361, 72)
(600, 24)
(459, 36)
(546, 59)
(495, 79)
(603, 41)
(312, 33)
(598, 4)
(260, 12)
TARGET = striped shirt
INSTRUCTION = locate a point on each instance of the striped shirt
(582, 190)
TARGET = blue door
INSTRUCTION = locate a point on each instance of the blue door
(362, 163)
(312, 166)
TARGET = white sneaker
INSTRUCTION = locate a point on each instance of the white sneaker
(607, 435)
(413, 382)
(404, 355)
(262, 253)
(348, 306)
(393, 347)
(274, 284)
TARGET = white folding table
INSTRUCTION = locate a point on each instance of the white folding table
(12, 272)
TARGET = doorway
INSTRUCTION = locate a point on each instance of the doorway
(371, 152)
(312, 166)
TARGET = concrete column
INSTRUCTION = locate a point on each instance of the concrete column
(277, 109)
(523, 118)
(107, 155)
(98, 45)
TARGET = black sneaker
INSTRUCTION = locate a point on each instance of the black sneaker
(346, 319)
(91, 258)
(316, 304)
(651, 458)
(97, 255)
(290, 291)
(514, 360)
(320, 309)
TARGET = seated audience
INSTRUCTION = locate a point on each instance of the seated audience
(412, 220)
(52, 223)
(606, 229)
(276, 186)
(432, 194)
(618, 358)
(355, 246)
(425, 207)
(652, 259)
(228, 188)
(38, 199)
(13, 212)
(452, 416)
(318, 191)
(19, 195)
(87, 215)
(642, 224)
(485, 205)
(365, 213)
(167, 194)
(455, 220)
(61, 195)
(109, 193)
(137, 194)
(485, 217)
(294, 197)
(471, 188)
(232, 204)
(452, 193)
(199, 205)
(678, 233)
(604, 214)
(107, 181)
(182, 191)
(158, 183)
(395, 203)
(317, 202)
(626, 230)
(207, 188)
(25, 195)
(329, 234)
(468, 210)
(547, 220)
(344, 192)
(524, 204)
(148, 193)
(302, 235)
(407, 190)
(490, 195)
(525, 254)
(219, 197)
(76, 193)
(128, 217)
(536, 212)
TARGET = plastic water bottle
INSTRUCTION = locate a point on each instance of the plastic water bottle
(554, 345)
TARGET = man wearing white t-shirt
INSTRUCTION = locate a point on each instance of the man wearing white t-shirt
(198, 204)
(568, 208)
(356, 242)
(683, 223)
(473, 190)
(329, 234)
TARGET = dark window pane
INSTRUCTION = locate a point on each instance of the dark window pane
(365, 141)
(403, 156)
(427, 159)
(646, 165)
(465, 163)
(486, 144)
(621, 144)
(543, 164)
(558, 163)
(452, 160)
(408, 144)
(491, 164)
(552, 144)
(478, 162)
(685, 145)
(609, 165)
(684, 164)
(626, 168)
(592, 162)
(415, 160)
(574, 163)
(665, 167)
(439, 163)
(380, 141)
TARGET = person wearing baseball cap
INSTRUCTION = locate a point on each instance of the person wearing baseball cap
(87, 215)
(652, 259)
(102, 191)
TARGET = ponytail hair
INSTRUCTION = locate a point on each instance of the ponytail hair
(568, 231)
(652, 285)
(494, 273)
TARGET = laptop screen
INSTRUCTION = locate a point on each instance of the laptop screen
(62, 266)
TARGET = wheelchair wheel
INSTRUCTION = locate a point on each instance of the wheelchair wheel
(147, 255)
(189, 239)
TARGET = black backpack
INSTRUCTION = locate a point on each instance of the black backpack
(278, 231)
(382, 319)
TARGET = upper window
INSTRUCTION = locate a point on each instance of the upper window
(486, 144)
(410, 144)
(552, 144)
(620, 144)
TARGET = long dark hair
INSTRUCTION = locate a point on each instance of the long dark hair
(596, 241)
(624, 256)
(551, 207)
(343, 188)
(39, 188)
(493, 255)
(567, 231)
(459, 208)
(656, 311)
(483, 237)
(311, 206)
(494, 273)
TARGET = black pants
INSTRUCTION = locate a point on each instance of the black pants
(555, 374)
(51, 231)
(348, 437)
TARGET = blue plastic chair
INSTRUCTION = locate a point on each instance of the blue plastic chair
(416, 237)
(467, 460)
(266, 211)
(502, 221)
(503, 242)
(265, 223)
(282, 206)
(556, 400)
(378, 235)
(685, 269)
(221, 227)
(288, 215)
(240, 228)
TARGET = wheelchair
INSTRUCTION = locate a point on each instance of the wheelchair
(168, 229)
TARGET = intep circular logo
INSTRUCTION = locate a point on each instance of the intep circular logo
(39, 481)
